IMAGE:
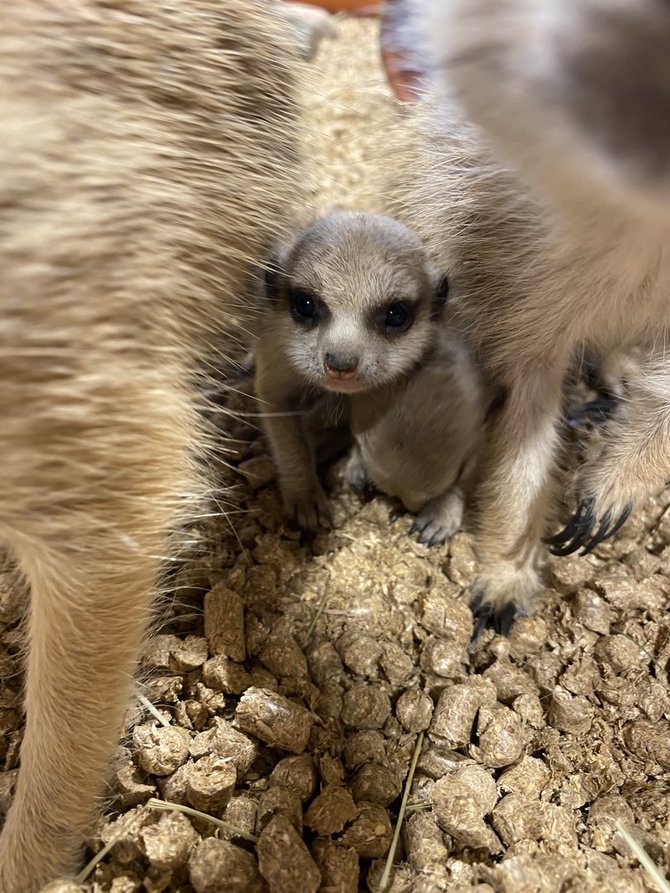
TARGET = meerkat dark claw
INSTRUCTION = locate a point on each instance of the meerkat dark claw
(605, 531)
(599, 410)
(595, 412)
(504, 618)
(429, 532)
(438, 536)
(434, 534)
(419, 525)
(487, 616)
(623, 517)
(568, 532)
(600, 534)
(576, 533)
(483, 615)
(569, 548)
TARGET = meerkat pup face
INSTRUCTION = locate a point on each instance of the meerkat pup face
(355, 301)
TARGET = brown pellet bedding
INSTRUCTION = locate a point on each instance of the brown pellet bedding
(290, 682)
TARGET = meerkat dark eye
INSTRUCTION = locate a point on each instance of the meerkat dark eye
(399, 316)
(303, 306)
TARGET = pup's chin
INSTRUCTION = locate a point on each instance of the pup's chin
(345, 385)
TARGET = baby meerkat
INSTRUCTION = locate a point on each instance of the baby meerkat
(356, 311)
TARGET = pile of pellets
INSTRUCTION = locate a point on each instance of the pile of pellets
(291, 681)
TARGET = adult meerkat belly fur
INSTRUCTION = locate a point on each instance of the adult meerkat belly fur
(147, 160)
(356, 310)
(543, 187)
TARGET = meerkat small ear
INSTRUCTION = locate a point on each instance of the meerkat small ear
(441, 291)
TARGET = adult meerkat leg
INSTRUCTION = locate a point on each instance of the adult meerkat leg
(91, 551)
(512, 496)
(633, 462)
(302, 493)
(84, 636)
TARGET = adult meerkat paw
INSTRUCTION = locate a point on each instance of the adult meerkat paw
(593, 521)
(439, 519)
(487, 616)
(500, 595)
(613, 480)
(310, 510)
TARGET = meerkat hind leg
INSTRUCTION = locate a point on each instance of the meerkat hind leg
(513, 499)
(90, 546)
(83, 649)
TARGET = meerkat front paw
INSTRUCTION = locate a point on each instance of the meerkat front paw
(594, 520)
(608, 487)
(309, 509)
(439, 519)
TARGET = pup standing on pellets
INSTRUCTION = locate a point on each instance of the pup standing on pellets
(356, 311)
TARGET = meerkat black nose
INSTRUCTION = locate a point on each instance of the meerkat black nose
(341, 365)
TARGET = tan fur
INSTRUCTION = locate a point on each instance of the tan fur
(147, 156)
(418, 403)
(553, 229)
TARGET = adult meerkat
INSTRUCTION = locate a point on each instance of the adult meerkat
(147, 159)
(355, 311)
(551, 210)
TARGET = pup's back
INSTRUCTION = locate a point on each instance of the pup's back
(146, 157)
